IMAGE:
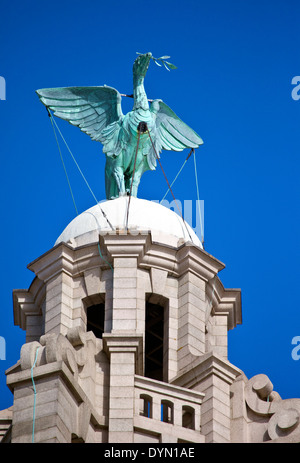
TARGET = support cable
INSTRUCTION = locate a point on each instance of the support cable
(64, 167)
(140, 129)
(34, 397)
(198, 197)
(179, 172)
(157, 157)
(77, 165)
(100, 253)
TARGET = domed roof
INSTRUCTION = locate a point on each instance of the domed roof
(166, 226)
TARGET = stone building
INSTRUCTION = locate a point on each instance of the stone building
(126, 341)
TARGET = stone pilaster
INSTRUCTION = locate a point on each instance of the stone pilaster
(128, 298)
(53, 412)
(191, 318)
(123, 353)
(124, 294)
(55, 269)
(212, 376)
(59, 304)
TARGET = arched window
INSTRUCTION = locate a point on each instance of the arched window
(146, 405)
(188, 417)
(167, 411)
(95, 319)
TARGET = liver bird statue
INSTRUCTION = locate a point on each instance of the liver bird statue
(131, 142)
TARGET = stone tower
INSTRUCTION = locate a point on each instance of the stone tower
(126, 341)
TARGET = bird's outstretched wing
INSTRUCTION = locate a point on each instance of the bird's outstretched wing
(171, 132)
(90, 108)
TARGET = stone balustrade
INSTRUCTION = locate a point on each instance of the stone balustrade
(164, 411)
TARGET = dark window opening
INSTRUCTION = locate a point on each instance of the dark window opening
(188, 417)
(146, 405)
(95, 319)
(154, 340)
(167, 411)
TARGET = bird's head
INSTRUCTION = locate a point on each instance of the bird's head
(141, 64)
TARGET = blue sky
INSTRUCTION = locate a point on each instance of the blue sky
(236, 61)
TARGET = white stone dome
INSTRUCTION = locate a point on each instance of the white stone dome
(166, 226)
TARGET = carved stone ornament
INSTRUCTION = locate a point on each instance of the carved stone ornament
(57, 348)
(284, 415)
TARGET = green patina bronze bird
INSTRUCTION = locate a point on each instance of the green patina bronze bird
(131, 142)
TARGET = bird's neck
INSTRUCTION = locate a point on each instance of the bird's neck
(139, 94)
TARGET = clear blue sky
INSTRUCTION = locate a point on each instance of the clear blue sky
(236, 60)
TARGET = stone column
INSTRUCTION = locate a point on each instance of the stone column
(55, 269)
(191, 318)
(216, 378)
(59, 304)
(53, 411)
(195, 268)
(128, 299)
(213, 376)
(215, 410)
(124, 294)
(123, 352)
(239, 424)
(216, 337)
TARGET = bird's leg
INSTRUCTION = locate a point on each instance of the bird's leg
(127, 183)
(114, 178)
(118, 175)
(136, 181)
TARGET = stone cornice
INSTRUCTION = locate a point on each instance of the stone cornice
(177, 261)
(28, 302)
(191, 258)
(207, 365)
(226, 302)
(129, 244)
(125, 342)
(52, 262)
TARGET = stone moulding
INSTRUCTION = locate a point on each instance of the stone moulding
(176, 260)
(226, 301)
(125, 342)
(205, 366)
(28, 302)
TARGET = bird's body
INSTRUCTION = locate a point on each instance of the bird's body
(127, 162)
(129, 150)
